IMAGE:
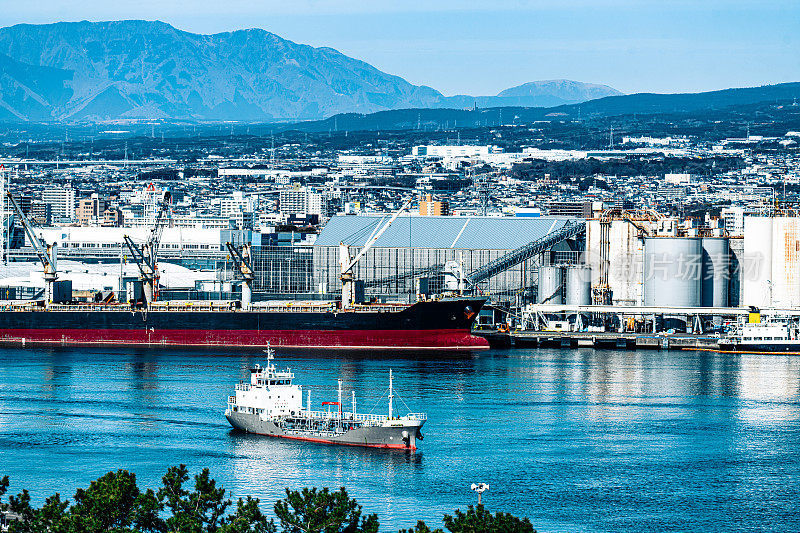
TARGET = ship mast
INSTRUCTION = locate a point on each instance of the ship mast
(391, 394)
(340, 401)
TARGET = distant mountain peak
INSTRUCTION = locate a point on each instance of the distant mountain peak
(567, 89)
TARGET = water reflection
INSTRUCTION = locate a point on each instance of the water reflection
(576, 439)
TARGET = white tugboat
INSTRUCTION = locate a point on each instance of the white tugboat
(272, 405)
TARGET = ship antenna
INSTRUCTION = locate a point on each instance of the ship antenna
(391, 394)
(270, 354)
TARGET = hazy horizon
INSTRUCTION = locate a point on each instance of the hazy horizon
(481, 48)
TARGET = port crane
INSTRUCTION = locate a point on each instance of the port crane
(242, 259)
(146, 254)
(347, 264)
(45, 252)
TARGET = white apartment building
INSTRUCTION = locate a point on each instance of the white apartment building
(61, 201)
(236, 204)
(305, 200)
(733, 218)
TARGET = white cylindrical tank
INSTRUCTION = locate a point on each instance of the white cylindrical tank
(550, 285)
(716, 271)
(672, 271)
(785, 279)
(578, 285)
(755, 263)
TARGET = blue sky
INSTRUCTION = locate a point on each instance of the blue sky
(482, 47)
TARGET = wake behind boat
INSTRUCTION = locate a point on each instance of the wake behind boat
(272, 405)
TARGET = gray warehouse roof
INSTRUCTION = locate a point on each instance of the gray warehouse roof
(477, 233)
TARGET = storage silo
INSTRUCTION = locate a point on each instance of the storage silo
(716, 271)
(672, 271)
(578, 285)
(785, 279)
(550, 285)
(755, 266)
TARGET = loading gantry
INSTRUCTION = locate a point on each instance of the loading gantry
(241, 257)
(45, 252)
(145, 255)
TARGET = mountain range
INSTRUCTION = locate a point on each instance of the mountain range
(134, 69)
(741, 104)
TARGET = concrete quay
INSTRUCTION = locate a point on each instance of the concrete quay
(612, 340)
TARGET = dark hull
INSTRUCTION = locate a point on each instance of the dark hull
(791, 348)
(424, 325)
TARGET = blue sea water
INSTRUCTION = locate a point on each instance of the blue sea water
(576, 440)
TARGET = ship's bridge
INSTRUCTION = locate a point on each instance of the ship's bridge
(268, 376)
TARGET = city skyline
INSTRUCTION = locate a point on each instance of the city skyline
(479, 48)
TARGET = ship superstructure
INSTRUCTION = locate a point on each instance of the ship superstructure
(271, 404)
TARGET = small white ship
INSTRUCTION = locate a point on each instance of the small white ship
(271, 404)
(774, 335)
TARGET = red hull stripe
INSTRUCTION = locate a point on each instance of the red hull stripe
(325, 441)
(454, 339)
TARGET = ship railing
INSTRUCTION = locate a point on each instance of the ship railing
(232, 399)
(331, 415)
(243, 386)
(334, 415)
(222, 306)
(366, 417)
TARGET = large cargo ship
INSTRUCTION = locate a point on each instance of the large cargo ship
(271, 404)
(440, 324)
(432, 322)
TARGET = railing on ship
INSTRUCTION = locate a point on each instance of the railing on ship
(334, 415)
(200, 306)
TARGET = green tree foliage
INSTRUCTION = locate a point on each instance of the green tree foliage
(114, 503)
(632, 166)
(51, 517)
(248, 518)
(421, 527)
(478, 520)
(109, 504)
(323, 511)
(195, 511)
